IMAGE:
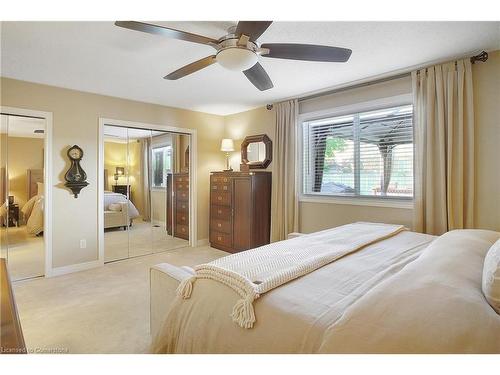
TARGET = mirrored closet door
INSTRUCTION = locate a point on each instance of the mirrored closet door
(22, 195)
(142, 170)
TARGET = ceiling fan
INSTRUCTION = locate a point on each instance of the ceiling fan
(239, 50)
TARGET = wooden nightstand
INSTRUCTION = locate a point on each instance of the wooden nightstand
(13, 215)
(123, 189)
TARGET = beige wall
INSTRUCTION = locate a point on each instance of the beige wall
(23, 154)
(317, 216)
(487, 141)
(240, 125)
(115, 155)
(75, 120)
(159, 206)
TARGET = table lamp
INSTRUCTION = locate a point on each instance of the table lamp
(227, 146)
(120, 171)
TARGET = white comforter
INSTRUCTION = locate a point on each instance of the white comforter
(33, 214)
(396, 296)
(110, 197)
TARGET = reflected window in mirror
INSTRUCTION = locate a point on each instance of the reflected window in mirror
(162, 165)
(256, 151)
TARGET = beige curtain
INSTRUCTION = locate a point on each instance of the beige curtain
(444, 148)
(284, 211)
(146, 177)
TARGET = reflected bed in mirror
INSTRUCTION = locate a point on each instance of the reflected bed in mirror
(257, 151)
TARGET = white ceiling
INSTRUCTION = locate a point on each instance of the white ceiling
(18, 126)
(102, 58)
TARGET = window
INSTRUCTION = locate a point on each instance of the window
(162, 164)
(367, 154)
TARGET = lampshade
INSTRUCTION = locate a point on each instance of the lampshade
(120, 171)
(238, 59)
(227, 145)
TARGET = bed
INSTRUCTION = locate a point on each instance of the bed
(32, 210)
(118, 210)
(406, 293)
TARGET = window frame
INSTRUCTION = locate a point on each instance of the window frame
(153, 147)
(375, 201)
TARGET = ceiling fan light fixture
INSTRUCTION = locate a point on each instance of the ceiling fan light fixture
(238, 59)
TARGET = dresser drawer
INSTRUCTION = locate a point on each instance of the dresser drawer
(220, 212)
(220, 198)
(220, 180)
(221, 239)
(182, 218)
(181, 231)
(220, 225)
(220, 187)
(182, 206)
(182, 186)
(182, 195)
(181, 179)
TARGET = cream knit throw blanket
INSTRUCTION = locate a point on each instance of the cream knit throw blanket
(254, 272)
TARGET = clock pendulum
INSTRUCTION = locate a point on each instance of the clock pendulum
(75, 176)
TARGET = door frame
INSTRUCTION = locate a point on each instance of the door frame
(193, 151)
(47, 176)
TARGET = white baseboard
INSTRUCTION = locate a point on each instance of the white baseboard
(74, 268)
(158, 222)
(203, 242)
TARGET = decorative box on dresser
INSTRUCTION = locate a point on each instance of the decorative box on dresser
(178, 204)
(240, 210)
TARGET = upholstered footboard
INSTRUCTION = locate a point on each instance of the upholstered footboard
(164, 279)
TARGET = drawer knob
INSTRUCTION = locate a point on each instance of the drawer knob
(183, 206)
(184, 218)
(219, 211)
(219, 198)
(219, 225)
(219, 238)
(183, 229)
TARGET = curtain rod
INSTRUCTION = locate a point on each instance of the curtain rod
(481, 57)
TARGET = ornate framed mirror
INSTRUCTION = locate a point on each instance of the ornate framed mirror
(257, 151)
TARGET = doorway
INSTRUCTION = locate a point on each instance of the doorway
(146, 190)
(25, 199)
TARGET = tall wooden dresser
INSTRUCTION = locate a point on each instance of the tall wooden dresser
(240, 210)
(178, 204)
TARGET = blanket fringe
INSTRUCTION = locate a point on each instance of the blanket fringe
(243, 313)
(185, 287)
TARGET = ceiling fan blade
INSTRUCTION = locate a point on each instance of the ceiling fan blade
(191, 68)
(165, 31)
(253, 29)
(307, 52)
(258, 76)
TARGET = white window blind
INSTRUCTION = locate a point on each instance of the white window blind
(162, 164)
(360, 154)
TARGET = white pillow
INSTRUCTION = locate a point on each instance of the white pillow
(115, 207)
(491, 276)
(40, 186)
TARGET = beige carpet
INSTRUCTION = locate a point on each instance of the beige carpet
(140, 239)
(103, 310)
(25, 255)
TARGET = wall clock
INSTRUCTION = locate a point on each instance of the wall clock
(75, 176)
